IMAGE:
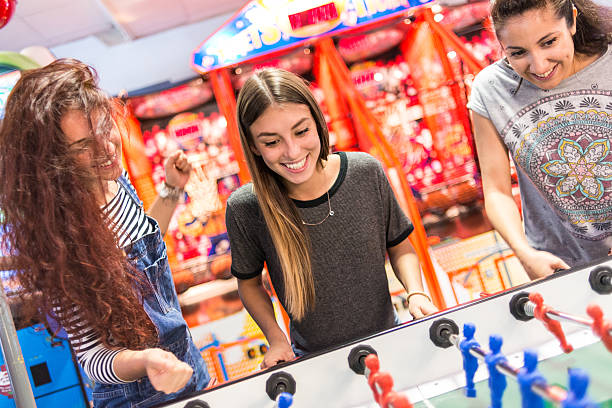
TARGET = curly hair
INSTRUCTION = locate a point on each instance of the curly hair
(68, 259)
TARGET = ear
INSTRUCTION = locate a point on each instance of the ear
(575, 15)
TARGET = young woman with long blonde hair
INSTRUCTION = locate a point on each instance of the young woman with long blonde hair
(322, 223)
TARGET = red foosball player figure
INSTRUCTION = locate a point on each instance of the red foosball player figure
(395, 400)
(381, 387)
(372, 373)
(601, 327)
(372, 366)
(381, 384)
(552, 325)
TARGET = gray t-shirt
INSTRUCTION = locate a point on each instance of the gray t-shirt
(348, 252)
(559, 140)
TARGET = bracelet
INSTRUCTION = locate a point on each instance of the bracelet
(170, 192)
(417, 293)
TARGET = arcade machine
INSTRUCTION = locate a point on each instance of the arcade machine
(54, 376)
(283, 34)
(393, 81)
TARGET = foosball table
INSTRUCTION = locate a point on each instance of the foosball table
(545, 343)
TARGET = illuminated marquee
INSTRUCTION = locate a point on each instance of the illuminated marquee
(313, 16)
(265, 26)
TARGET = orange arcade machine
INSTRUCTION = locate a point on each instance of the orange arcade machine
(263, 30)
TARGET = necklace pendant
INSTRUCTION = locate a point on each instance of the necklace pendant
(329, 214)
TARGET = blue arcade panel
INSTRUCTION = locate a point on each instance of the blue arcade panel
(53, 375)
(55, 378)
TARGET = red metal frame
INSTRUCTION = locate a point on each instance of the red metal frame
(224, 94)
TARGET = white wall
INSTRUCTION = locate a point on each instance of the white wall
(143, 62)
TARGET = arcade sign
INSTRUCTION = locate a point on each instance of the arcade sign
(320, 14)
(173, 100)
(265, 26)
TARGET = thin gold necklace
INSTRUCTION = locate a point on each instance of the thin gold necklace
(329, 214)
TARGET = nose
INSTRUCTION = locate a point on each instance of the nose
(538, 63)
(293, 148)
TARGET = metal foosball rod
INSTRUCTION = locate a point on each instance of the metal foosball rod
(525, 306)
(562, 316)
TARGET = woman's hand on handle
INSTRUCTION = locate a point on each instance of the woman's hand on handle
(420, 306)
(539, 264)
(277, 353)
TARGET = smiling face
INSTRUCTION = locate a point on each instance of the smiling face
(105, 162)
(286, 138)
(539, 46)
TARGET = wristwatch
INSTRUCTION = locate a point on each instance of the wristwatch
(172, 193)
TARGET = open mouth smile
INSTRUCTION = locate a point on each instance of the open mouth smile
(296, 166)
(546, 75)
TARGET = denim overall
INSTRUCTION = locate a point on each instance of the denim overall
(148, 254)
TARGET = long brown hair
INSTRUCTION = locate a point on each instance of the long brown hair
(54, 227)
(290, 238)
(592, 31)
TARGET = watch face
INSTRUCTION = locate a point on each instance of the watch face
(169, 192)
(164, 192)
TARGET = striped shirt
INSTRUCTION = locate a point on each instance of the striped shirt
(129, 222)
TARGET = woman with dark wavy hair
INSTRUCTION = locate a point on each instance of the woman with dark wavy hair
(87, 254)
(549, 104)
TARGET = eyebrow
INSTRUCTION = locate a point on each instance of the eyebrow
(540, 40)
(297, 124)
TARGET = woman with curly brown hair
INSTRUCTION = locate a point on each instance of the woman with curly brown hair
(87, 253)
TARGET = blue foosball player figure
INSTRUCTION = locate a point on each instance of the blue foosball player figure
(576, 396)
(497, 381)
(284, 400)
(527, 376)
(470, 363)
